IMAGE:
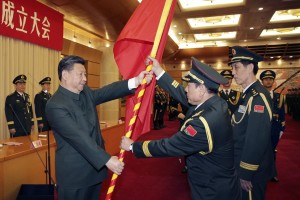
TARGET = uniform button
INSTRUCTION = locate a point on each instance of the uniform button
(25, 117)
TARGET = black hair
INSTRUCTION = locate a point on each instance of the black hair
(255, 65)
(67, 63)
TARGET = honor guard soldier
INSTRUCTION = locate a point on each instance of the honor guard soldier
(157, 108)
(252, 126)
(231, 96)
(267, 78)
(40, 101)
(173, 109)
(205, 137)
(18, 109)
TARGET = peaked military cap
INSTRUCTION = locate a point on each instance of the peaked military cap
(20, 79)
(267, 74)
(227, 74)
(240, 53)
(204, 74)
(45, 80)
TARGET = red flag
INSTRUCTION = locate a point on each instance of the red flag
(131, 50)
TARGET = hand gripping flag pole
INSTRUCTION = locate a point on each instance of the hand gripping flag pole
(132, 121)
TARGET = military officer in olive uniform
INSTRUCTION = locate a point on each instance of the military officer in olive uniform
(252, 126)
(40, 101)
(231, 96)
(18, 109)
(267, 78)
(205, 137)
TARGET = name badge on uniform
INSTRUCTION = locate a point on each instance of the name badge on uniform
(190, 131)
(242, 109)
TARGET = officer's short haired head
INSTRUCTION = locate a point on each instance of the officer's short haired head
(267, 74)
(227, 74)
(20, 79)
(67, 63)
(245, 56)
(204, 74)
(45, 80)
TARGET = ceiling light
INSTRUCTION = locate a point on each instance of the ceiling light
(284, 30)
(215, 36)
(294, 12)
(203, 22)
(271, 57)
(175, 26)
(286, 15)
(290, 56)
(278, 38)
(245, 40)
(140, 1)
(90, 43)
(280, 31)
(251, 28)
(196, 4)
(261, 8)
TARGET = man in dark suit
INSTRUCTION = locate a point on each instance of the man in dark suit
(267, 78)
(40, 101)
(81, 160)
(205, 137)
(18, 109)
(231, 96)
(252, 126)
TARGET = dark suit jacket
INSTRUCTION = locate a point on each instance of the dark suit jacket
(206, 139)
(80, 153)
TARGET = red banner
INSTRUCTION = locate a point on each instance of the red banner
(131, 50)
(33, 22)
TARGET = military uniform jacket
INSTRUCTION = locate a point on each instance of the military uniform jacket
(40, 101)
(232, 99)
(80, 154)
(206, 139)
(23, 110)
(252, 135)
(278, 112)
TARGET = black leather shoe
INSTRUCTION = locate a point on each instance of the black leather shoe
(275, 179)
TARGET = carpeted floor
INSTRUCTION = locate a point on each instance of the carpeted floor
(161, 178)
(288, 165)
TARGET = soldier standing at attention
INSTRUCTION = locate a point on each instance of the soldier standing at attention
(18, 109)
(40, 101)
(205, 137)
(231, 96)
(251, 123)
(267, 78)
(157, 108)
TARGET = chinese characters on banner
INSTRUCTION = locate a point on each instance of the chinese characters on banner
(33, 22)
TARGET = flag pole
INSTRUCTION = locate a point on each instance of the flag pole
(136, 108)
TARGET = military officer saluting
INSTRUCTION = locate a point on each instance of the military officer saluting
(231, 96)
(205, 137)
(18, 109)
(40, 101)
(267, 78)
(252, 126)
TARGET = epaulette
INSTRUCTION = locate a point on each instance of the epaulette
(11, 94)
(254, 92)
